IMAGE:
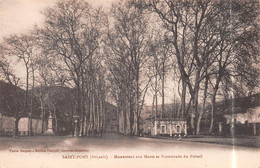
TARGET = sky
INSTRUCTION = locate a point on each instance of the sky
(19, 16)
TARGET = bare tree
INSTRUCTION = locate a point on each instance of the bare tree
(71, 36)
(128, 43)
(22, 49)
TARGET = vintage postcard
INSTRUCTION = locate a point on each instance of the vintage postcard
(129, 83)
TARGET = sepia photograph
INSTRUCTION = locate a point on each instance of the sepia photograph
(129, 84)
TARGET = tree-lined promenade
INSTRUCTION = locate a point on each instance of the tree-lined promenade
(208, 48)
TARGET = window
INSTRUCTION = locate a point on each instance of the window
(178, 129)
(163, 129)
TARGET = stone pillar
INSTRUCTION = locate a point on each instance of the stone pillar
(81, 126)
(254, 128)
(155, 128)
(75, 127)
(232, 127)
(185, 129)
(171, 128)
(220, 127)
(76, 118)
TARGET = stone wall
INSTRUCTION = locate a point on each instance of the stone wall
(36, 126)
(7, 124)
(243, 123)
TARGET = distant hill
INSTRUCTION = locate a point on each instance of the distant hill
(11, 98)
(64, 99)
(169, 111)
(238, 105)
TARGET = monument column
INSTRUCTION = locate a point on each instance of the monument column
(50, 126)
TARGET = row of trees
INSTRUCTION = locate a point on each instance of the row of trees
(64, 52)
(211, 42)
(207, 48)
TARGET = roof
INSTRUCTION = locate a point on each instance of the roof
(172, 119)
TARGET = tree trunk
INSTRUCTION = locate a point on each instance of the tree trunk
(194, 97)
(31, 110)
(98, 114)
(136, 120)
(16, 128)
(93, 110)
(213, 104)
(156, 96)
(198, 123)
(162, 112)
(105, 115)
(183, 99)
(153, 112)
(55, 119)
(194, 110)
(84, 125)
(89, 110)
(26, 96)
(42, 110)
(125, 111)
(204, 104)
(130, 119)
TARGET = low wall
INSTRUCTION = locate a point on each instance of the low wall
(7, 125)
(24, 129)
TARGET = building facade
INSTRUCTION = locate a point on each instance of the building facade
(169, 127)
(239, 116)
